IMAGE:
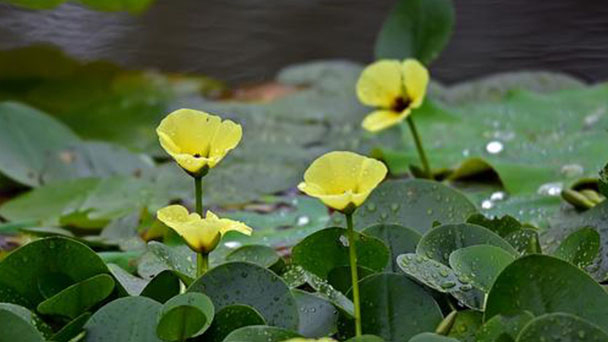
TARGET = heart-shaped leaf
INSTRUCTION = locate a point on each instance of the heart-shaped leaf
(503, 328)
(412, 203)
(72, 329)
(162, 287)
(160, 257)
(441, 241)
(561, 327)
(245, 283)
(15, 328)
(398, 239)
(260, 333)
(480, 263)
(431, 337)
(76, 299)
(258, 254)
(230, 318)
(580, 247)
(184, 316)
(394, 308)
(465, 325)
(327, 249)
(133, 319)
(318, 317)
(543, 284)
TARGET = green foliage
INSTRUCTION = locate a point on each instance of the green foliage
(480, 263)
(318, 317)
(260, 333)
(580, 248)
(566, 328)
(184, 316)
(416, 29)
(133, 6)
(230, 318)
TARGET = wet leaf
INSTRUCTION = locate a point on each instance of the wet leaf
(481, 264)
(561, 327)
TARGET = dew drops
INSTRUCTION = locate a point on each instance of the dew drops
(487, 204)
(572, 170)
(550, 189)
(303, 220)
(232, 244)
(498, 196)
(494, 147)
(344, 240)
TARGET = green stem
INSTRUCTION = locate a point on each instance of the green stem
(425, 162)
(353, 271)
(198, 190)
(202, 263)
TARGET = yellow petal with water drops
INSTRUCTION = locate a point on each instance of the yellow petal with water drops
(415, 81)
(197, 139)
(380, 84)
(382, 119)
(341, 178)
(176, 214)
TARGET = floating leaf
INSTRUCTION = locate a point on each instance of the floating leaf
(441, 241)
(72, 329)
(580, 247)
(481, 264)
(561, 327)
(398, 239)
(431, 337)
(262, 255)
(525, 241)
(327, 249)
(184, 316)
(394, 308)
(230, 318)
(318, 317)
(162, 287)
(260, 333)
(502, 226)
(543, 284)
(133, 319)
(160, 257)
(15, 328)
(245, 283)
(503, 328)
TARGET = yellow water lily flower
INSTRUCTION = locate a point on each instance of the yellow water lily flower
(201, 234)
(197, 140)
(342, 180)
(395, 88)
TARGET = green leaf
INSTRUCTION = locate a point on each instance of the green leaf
(431, 337)
(245, 283)
(502, 226)
(441, 278)
(76, 299)
(603, 181)
(561, 327)
(27, 136)
(398, 239)
(15, 328)
(22, 271)
(543, 284)
(184, 316)
(416, 29)
(394, 308)
(318, 317)
(30, 317)
(230, 318)
(413, 203)
(134, 6)
(340, 277)
(580, 247)
(260, 333)
(133, 319)
(465, 325)
(160, 257)
(162, 287)
(72, 329)
(525, 241)
(481, 264)
(501, 328)
(296, 276)
(365, 338)
(441, 241)
(327, 249)
(132, 284)
(258, 254)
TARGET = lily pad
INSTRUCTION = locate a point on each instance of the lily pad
(162, 287)
(230, 318)
(327, 249)
(43, 260)
(398, 239)
(580, 247)
(481, 264)
(72, 329)
(441, 241)
(413, 203)
(76, 299)
(160, 257)
(258, 254)
(133, 319)
(465, 325)
(15, 328)
(245, 283)
(318, 317)
(561, 327)
(525, 241)
(394, 308)
(184, 316)
(503, 328)
(542, 284)
(30, 317)
(431, 337)
(260, 333)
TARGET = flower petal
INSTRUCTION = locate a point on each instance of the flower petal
(380, 84)
(200, 235)
(225, 225)
(176, 214)
(382, 119)
(337, 202)
(226, 138)
(190, 130)
(415, 81)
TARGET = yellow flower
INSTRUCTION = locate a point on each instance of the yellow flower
(395, 88)
(342, 180)
(197, 140)
(201, 234)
